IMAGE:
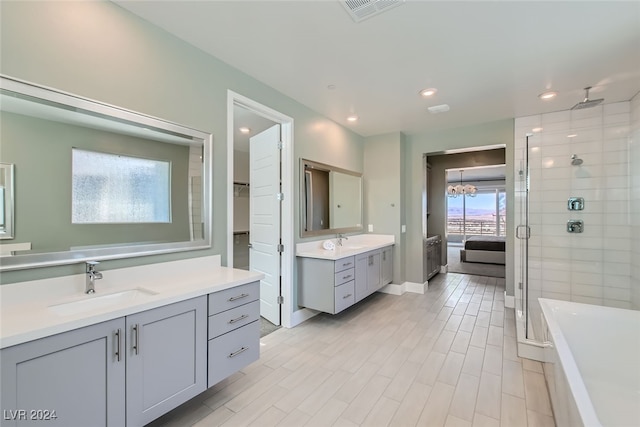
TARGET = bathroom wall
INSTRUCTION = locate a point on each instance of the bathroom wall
(100, 51)
(594, 266)
(634, 168)
(383, 191)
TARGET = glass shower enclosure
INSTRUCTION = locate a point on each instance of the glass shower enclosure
(574, 212)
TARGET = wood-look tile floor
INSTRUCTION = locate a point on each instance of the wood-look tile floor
(445, 358)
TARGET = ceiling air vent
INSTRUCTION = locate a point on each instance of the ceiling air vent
(363, 9)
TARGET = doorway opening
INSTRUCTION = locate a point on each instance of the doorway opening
(460, 205)
(255, 185)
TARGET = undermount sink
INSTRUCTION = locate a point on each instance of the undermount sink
(95, 302)
(351, 247)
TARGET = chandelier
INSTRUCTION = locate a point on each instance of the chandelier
(461, 190)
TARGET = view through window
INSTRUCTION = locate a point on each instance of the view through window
(482, 214)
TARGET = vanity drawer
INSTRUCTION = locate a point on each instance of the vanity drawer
(229, 320)
(233, 297)
(344, 276)
(344, 263)
(233, 351)
(344, 296)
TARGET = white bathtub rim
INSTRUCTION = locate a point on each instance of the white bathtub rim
(577, 386)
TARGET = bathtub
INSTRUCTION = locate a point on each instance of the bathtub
(592, 363)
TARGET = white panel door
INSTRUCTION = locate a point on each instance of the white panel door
(264, 211)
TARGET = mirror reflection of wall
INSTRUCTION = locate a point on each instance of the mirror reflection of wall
(345, 211)
(317, 199)
(330, 199)
(43, 150)
(6, 201)
(47, 134)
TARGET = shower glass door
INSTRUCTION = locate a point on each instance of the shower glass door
(524, 291)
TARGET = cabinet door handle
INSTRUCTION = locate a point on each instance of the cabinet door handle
(237, 297)
(347, 296)
(118, 342)
(237, 352)
(232, 321)
(136, 339)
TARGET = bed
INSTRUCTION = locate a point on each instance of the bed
(484, 249)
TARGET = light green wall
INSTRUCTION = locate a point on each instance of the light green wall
(486, 134)
(102, 52)
(383, 191)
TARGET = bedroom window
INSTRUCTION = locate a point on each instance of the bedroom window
(481, 215)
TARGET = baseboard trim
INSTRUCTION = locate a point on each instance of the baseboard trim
(509, 300)
(416, 288)
(395, 289)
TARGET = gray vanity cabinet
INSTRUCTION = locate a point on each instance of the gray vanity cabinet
(166, 358)
(78, 377)
(332, 286)
(156, 358)
(387, 265)
(368, 274)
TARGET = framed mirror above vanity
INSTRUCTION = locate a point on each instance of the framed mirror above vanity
(330, 199)
(92, 181)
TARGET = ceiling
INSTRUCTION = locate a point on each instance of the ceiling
(488, 60)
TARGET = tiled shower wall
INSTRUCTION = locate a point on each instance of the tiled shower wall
(594, 266)
(635, 202)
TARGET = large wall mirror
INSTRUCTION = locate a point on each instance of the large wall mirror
(93, 181)
(330, 199)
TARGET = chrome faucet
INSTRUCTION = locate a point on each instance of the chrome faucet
(341, 236)
(92, 276)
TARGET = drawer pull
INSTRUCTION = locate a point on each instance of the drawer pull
(243, 295)
(347, 296)
(237, 352)
(348, 276)
(346, 264)
(232, 321)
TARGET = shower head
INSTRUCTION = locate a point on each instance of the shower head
(575, 160)
(587, 103)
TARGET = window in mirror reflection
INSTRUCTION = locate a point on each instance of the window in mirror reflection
(110, 188)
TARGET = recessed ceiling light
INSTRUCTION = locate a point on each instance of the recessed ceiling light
(536, 130)
(548, 95)
(425, 93)
(573, 135)
(244, 129)
(442, 108)
(352, 118)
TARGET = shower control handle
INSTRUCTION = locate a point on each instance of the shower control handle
(575, 203)
(575, 226)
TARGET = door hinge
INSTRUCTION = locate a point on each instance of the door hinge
(280, 299)
(280, 145)
(280, 196)
(280, 248)
(519, 285)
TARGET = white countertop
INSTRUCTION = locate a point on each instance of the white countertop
(354, 245)
(25, 314)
